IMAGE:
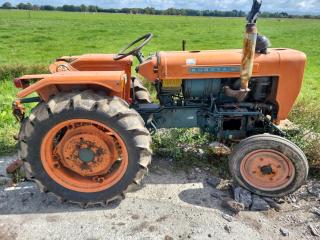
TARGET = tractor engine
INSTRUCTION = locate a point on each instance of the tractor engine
(207, 98)
(204, 90)
(191, 88)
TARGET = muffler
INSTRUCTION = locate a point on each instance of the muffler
(248, 53)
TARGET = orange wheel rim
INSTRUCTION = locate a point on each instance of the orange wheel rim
(267, 170)
(84, 155)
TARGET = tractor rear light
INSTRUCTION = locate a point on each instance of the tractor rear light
(18, 83)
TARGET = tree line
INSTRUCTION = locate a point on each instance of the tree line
(149, 10)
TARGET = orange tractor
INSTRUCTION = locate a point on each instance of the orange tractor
(88, 140)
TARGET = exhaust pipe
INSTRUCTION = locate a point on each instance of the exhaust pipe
(249, 49)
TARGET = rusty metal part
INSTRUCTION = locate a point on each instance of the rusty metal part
(18, 110)
(247, 61)
(84, 155)
(78, 144)
(249, 47)
(267, 170)
(61, 66)
(14, 166)
(240, 95)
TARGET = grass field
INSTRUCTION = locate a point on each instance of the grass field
(32, 39)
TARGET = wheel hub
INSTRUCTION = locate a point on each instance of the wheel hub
(267, 170)
(84, 155)
(86, 151)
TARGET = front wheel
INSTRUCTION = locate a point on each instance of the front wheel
(269, 165)
(84, 147)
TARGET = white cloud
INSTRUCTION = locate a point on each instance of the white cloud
(291, 6)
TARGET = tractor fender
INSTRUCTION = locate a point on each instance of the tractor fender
(50, 84)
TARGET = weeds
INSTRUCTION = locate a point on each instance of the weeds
(309, 142)
(189, 148)
(306, 114)
(8, 124)
(9, 72)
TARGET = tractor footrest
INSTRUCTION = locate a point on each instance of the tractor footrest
(149, 107)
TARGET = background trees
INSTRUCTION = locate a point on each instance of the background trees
(149, 10)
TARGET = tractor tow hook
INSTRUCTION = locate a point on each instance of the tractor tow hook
(18, 110)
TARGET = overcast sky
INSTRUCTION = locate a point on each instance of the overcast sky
(291, 6)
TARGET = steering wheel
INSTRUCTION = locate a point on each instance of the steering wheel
(136, 51)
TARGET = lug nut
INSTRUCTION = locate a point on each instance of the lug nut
(98, 179)
(56, 165)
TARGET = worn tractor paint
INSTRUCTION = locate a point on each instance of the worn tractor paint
(89, 139)
(247, 62)
(248, 55)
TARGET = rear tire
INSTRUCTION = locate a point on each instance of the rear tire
(268, 165)
(142, 95)
(126, 126)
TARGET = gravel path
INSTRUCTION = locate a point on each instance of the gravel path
(169, 206)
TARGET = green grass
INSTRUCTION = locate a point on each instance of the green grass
(28, 39)
(7, 122)
(189, 148)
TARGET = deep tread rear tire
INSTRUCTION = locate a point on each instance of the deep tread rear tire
(276, 143)
(142, 95)
(112, 111)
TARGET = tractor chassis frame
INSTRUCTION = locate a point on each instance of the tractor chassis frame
(210, 120)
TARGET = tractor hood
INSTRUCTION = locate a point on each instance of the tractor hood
(218, 64)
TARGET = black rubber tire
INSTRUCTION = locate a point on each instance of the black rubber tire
(142, 95)
(111, 111)
(267, 141)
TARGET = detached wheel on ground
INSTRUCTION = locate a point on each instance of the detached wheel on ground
(269, 165)
(141, 93)
(85, 148)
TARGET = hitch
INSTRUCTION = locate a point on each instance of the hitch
(18, 110)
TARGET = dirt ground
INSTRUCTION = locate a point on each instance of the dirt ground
(171, 205)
